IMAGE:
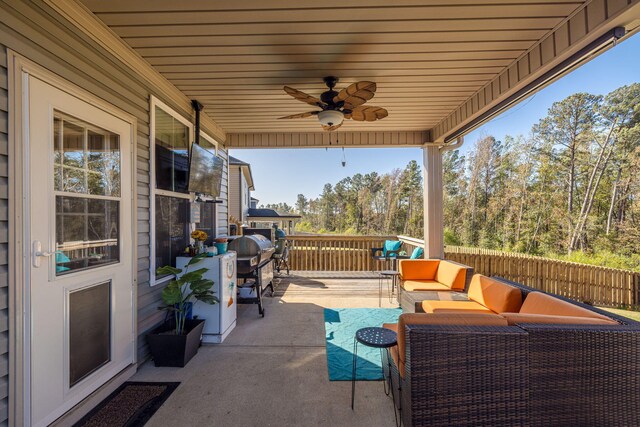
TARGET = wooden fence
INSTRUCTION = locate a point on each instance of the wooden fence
(602, 286)
(596, 285)
(333, 252)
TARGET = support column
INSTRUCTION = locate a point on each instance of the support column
(433, 204)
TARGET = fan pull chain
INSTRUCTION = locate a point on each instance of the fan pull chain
(344, 158)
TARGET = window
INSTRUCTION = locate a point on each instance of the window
(208, 215)
(171, 202)
(208, 221)
(170, 207)
(172, 152)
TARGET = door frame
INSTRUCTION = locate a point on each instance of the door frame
(19, 251)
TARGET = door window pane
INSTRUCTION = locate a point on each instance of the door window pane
(172, 229)
(86, 158)
(103, 163)
(172, 153)
(87, 233)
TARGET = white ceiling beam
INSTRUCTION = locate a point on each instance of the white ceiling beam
(328, 139)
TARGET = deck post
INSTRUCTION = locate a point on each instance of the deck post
(433, 204)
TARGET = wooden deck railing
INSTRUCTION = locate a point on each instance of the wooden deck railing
(333, 252)
(608, 287)
(589, 283)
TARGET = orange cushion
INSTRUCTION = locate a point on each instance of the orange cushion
(393, 351)
(423, 285)
(515, 318)
(469, 319)
(392, 326)
(541, 303)
(418, 269)
(453, 307)
(495, 295)
(452, 275)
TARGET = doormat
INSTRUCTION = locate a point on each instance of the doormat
(341, 325)
(131, 405)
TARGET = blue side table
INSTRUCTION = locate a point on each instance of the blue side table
(376, 337)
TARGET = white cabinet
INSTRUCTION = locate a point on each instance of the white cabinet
(220, 319)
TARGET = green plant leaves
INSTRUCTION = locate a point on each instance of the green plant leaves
(193, 276)
(208, 298)
(172, 293)
(167, 269)
(196, 259)
(202, 285)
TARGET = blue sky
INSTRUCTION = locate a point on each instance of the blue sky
(280, 175)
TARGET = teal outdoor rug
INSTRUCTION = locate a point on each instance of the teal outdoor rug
(340, 326)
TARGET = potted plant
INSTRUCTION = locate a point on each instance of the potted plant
(221, 245)
(199, 236)
(176, 341)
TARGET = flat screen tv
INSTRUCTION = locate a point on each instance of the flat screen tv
(205, 171)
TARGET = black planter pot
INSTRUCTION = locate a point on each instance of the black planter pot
(175, 350)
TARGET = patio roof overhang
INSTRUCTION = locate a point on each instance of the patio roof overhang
(441, 67)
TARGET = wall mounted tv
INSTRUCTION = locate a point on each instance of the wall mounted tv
(205, 171)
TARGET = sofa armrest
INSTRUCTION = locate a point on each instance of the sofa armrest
(447, 365)
(469, 273)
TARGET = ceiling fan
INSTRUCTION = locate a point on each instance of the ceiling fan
(337, 106)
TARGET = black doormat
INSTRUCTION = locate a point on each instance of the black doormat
(131, 405)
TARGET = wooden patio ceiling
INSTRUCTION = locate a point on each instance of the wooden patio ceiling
(428, 57)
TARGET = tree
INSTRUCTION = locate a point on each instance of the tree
(301, 204)
(618, 114)
(568, 126)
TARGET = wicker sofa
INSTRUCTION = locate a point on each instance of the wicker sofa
(420, 275)
(488, 369)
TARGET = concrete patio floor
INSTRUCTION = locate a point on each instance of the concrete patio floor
(272, 371)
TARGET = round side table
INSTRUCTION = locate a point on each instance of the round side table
(375, 337)
(387, 274)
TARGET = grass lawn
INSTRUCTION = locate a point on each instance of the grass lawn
(633, 315)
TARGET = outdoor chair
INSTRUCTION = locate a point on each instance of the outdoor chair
(389, 252)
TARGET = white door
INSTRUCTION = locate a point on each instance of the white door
(79, 228)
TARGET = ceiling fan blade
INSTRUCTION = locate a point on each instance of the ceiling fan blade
(300, 115)
(356, 94)
(330, 128)
(304, 97)
(367, 114)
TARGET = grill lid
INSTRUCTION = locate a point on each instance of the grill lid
(253, 245)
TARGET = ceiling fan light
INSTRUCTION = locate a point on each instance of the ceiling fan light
(330, 117)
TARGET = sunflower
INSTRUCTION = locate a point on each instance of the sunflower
(199, 235)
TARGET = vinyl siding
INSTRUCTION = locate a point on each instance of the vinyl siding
(223, 209)
(244, 197)
(234, 192)
(4, 231)
(38, 33)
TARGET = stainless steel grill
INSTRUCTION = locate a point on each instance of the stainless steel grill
(254, 265)
(253, 251)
